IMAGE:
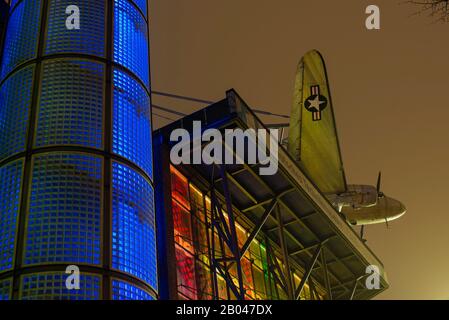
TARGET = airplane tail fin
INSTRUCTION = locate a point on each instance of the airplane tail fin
(313, 140)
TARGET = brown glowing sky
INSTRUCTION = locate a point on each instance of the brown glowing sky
(390, 92)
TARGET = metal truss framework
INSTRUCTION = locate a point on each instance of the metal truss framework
(268, 214)
(279, 258)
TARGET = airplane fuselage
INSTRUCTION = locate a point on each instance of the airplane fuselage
(362, 204)
(386, 210)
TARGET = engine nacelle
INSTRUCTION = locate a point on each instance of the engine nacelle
(357, 196)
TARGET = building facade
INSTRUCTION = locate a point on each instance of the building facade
(75, 152)
(192, 214)
(233, 233)
(4, 9)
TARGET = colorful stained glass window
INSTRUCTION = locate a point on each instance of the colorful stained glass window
(182, 227)
(248, 281)
(259, 283)
(185, 269)
(193, 262)
(197, 203)
(180, 188)
(222, 288)
(201, 243)
(204, 281)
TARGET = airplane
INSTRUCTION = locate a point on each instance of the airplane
(313, 144)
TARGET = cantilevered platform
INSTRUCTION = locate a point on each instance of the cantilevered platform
(285, 208)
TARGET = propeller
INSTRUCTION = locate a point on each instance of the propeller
(380, 194)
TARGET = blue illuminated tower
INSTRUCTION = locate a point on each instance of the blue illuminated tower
(76, 184)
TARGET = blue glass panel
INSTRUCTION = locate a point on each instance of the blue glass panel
(133, 225)
(132, 121)
(5, 289)
(71, 104)
(11, 180)
(21, 35)
(51, 286)
(15, 99)
(89, 39)
(131, 40)
(64, 223)
(125, 291)
(13, 3)
(142, 4)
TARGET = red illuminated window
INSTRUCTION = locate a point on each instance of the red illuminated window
(182, 227)
(185, 269)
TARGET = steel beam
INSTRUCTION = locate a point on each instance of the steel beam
(259, 226)
(336, 260)
(285, 255)
(292, 213)
(287, 223)
(326, 275)
(261, 203)
(234, 241)
(301, 250)
(273, 264)
(354, 289)
(308, 271)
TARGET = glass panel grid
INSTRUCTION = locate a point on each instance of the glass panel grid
(194, 280)
(132, 122)
(125, 291)
(182, 226)
(180, 188)
(142, 4)
(64, 223)
(185, 270)
(15, 99)
(21, 36)
(11, 180)
(131, 40)
(89, 39)
(133, 224)
(5, 289)
(71, 104)
(13, 3)
(204, 281)
(52, 286)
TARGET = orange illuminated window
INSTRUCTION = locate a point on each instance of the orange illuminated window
(180, 188)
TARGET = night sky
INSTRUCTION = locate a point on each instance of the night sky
(390, 91)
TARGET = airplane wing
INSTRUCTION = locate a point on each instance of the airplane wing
(313, 140)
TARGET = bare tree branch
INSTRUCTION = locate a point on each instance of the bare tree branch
(436, 9)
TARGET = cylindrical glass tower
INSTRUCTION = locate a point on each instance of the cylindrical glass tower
(75, 152)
